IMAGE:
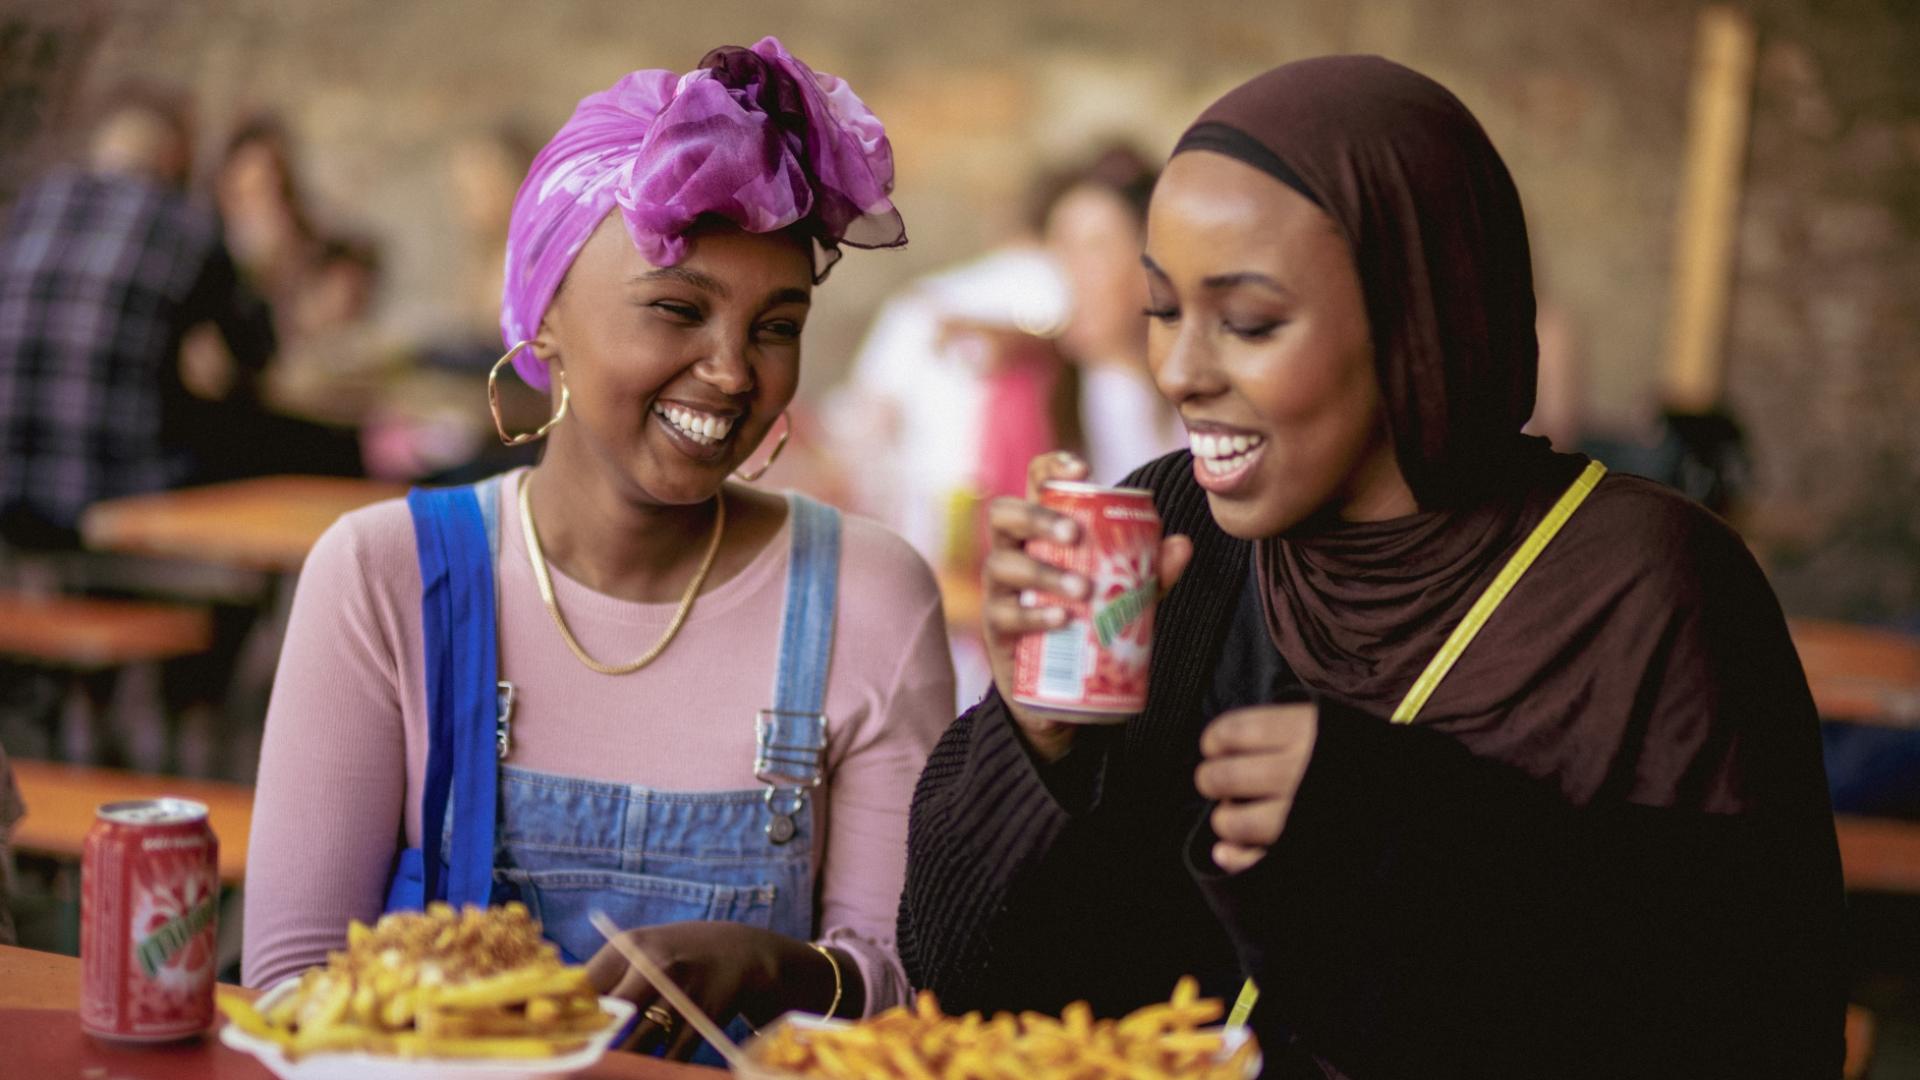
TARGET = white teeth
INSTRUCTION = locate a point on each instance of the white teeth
(1224, 455)
(696, 426)
(1224, 466)
(1213, 448)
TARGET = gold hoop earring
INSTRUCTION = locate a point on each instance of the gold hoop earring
(778, 446)
(493, 402)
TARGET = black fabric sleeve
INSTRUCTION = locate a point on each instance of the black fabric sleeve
(983, 816)
(1033, 886)
(1015, 900)
(220, 295)
(1429, 913)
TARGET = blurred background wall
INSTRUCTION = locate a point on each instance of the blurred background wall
(1586, 98)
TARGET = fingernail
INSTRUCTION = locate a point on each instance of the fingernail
(1076, 586)
(1063, 531)
(1056, 617)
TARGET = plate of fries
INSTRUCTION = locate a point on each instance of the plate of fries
(439, 993)
(1168, 1039)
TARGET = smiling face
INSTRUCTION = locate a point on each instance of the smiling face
(1259, 338)
(675, 374)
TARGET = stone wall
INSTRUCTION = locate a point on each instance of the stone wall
(1587, 99)
(1825, 350)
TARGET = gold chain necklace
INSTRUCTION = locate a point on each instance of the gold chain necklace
(540, 574)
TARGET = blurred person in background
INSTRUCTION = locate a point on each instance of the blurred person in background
(429, 426)
(334, 364)
(305, 415)
(341, 286)
(103, 269)
(1083, 386)
(970, 372)
(484, 171)
(256, 186)
(908, 423)
(1095, 229)
(1037, 345)
(908, 426)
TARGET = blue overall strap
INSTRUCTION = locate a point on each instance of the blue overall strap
(488, 491)
(457, 625)
(793, 734)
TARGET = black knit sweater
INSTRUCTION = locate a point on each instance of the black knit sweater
(1426, 913)
(1097, 857)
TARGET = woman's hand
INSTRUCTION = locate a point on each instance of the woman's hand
(1255, 758)
(1010, 571)
(726, 968)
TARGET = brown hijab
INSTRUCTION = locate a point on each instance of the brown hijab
(1643, 607)
(1437, 235)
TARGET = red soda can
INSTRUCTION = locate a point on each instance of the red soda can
(149, 900)
(1093, 670)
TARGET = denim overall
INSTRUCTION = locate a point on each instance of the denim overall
(567, 846)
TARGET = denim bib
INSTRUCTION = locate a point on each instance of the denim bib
(568, 846)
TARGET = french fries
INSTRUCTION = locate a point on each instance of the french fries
(1165, 1040)
(434, 984)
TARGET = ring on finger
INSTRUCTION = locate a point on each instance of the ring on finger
(659, 1015)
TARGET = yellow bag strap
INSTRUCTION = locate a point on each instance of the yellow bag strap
(1243, 1005)
(1482, 609)
(1463, 635)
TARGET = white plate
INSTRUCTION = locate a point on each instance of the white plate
(1234, 1037)
(363, 1066)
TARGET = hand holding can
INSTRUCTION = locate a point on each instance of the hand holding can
(1095, 586)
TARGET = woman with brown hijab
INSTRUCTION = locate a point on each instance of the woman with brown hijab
(1479, 762)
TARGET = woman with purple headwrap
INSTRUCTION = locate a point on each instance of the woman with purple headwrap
(620, 681)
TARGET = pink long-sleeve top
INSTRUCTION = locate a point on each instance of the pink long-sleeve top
(346, 737)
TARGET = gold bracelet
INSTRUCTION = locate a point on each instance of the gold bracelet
(835, 965)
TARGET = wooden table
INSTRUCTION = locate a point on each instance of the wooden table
(40, 1037)
(267, 523)
(61, 801)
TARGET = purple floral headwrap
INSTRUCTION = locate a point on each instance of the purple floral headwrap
(753, 136)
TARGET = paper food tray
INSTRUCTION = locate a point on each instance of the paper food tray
(756, 1070)
(360, 1065)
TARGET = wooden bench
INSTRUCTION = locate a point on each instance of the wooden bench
(1861, 1025)
(92, 640)
(89, 635)
(62, 800)
(1879, 854)
(1860, 674)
